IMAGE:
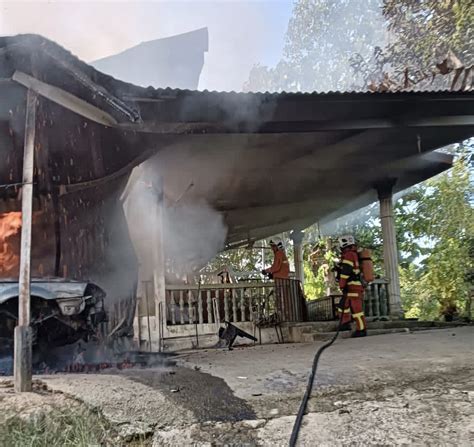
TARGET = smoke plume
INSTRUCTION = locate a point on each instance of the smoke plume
(193, 232)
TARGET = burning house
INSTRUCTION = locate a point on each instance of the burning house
(216, 170)
(78, 236)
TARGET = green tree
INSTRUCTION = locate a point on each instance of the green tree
(447, 215)
(426, 37)
(394, 44)
(322, 37)
(425, 31)
(376, 44)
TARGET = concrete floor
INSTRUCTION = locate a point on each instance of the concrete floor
(274, 369)
(390, 389)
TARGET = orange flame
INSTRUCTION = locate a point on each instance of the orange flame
(10, 225)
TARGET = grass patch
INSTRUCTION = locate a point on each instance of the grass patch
(57, 428)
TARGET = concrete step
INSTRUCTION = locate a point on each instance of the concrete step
(309, 337)
(330, 326)
(412, 324)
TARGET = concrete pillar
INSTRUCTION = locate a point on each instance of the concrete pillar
(390, 250)
(297, 238)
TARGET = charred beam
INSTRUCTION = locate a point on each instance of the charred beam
(199, 128)
(65, 99)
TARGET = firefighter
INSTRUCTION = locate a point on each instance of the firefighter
(280, 268)
(350, 283)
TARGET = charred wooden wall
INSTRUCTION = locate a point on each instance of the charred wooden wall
(78, 233)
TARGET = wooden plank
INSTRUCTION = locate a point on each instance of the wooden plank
(65, 99)
(242, 305)
(23, 347)
(200, 307)
(23, 358)
(234, 306)
(158, 256)
(137, 329)
(181, 306)
(191, 307)
(226, 306)
(209, 307)
(172, 308)
(251, 315)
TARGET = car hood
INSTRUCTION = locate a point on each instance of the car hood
(46, 289)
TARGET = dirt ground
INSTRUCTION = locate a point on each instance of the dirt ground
(390, 389)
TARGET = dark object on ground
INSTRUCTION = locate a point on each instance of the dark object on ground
(345, 327)
(208, 397)
(309, 387)
(231, 332)
(357, 334)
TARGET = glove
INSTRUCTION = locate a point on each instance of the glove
(264, 272)
(270, 275)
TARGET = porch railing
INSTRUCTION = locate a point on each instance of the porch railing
(376, 303)
(241, 302)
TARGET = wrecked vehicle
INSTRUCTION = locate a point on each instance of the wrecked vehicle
(62, 312)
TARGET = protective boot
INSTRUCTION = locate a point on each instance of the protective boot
(357, 334)
(345, 327)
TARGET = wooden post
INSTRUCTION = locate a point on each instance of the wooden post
(159, 260)
(23, 334)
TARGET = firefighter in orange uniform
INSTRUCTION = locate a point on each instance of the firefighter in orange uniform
(351, 285)
(280, 268)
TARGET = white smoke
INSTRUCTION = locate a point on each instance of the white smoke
(193, 232)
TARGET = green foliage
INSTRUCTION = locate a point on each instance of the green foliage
(241, 260)
(58, 428)
(416, 296)
(322, 37)
(424, 33)
(426, 30)
(449, 228)
(315, 286)
(361, 44)
(434, 220)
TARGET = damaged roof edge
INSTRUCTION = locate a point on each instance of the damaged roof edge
(37, 43)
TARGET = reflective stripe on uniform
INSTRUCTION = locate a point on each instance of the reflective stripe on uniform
(354, 283)
(346, 261)
(346, 311)
(352, 294)
(344, 276)
(360, 317)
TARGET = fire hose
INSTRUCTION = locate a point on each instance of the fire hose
(309, 386)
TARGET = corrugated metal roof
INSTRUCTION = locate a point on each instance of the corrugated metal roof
(232, 144)
(36, 43)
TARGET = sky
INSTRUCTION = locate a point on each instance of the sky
(241, 34)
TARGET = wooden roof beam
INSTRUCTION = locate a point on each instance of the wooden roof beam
(65, 99)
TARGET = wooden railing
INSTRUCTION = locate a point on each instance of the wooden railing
(323, 309)
(241, 302)
(376, 303)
